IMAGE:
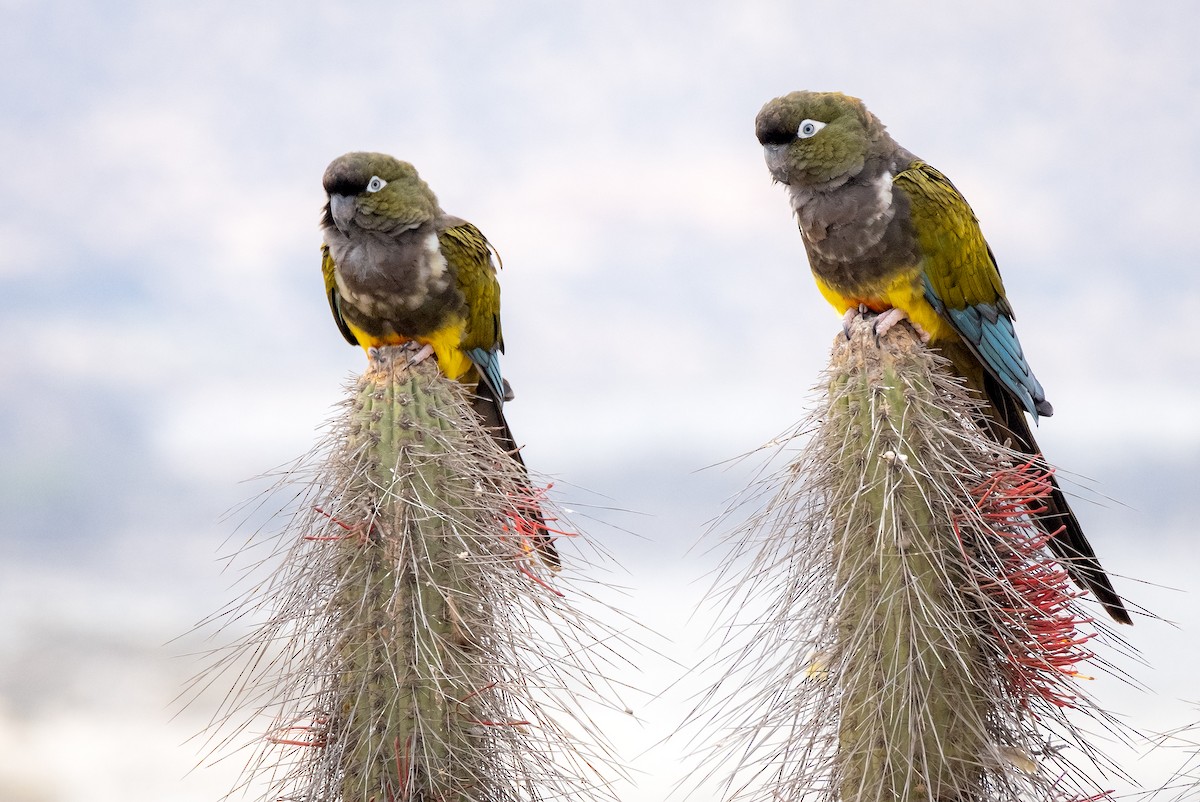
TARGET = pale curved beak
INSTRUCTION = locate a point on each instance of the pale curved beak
(342, 208)
(777, 161)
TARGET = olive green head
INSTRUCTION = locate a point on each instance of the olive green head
(813, 138)
(377, 192)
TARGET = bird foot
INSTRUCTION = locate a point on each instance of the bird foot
(851, 317)
(421, 355)
(414, 352)
(887, 320)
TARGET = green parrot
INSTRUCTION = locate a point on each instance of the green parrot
(886, 232)
(398, 269)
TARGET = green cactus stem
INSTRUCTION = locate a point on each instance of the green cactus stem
(912, 713)
(897, 630)
(406, 698)
(412, 644)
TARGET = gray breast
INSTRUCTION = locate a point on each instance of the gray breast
(394, 283)
(846, 223)
(857, 232)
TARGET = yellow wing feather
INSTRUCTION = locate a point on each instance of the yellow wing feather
(958, 262)
(470, 254)
(328, 272)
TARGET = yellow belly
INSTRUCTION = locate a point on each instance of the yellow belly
(904, 292)
(446, 343)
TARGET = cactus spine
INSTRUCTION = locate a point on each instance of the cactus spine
(412, 646)
(897, 631)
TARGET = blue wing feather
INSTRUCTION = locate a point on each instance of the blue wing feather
(989, 331)
(968, 323)
(1016, 380)
(488, 363)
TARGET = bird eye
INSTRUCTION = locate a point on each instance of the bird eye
(809, 128)
(375, 184)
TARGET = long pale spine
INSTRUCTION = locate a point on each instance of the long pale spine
(897, 629)
(405, 641)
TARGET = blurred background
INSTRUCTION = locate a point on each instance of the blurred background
(166, 339)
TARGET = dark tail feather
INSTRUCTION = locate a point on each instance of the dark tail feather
(1069, 545)
(488, 407)
(494, 421)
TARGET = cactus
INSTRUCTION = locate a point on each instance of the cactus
(414, 646)
(910, 639)
(408, 697)
(912, 716)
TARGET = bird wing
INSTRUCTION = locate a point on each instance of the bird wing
(328, 267)
(962, 281)
(470, 254)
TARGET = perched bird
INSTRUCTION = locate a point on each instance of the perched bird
(886, 232)
(400, 270)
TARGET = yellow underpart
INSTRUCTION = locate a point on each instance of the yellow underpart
(902, 291)
(446, 343)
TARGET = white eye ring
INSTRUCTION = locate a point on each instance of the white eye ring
(375, 184)
(809, 128)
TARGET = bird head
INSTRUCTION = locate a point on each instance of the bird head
(376, 192)
(817, 139)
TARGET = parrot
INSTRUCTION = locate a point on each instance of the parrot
(886, 232)
(398, 269)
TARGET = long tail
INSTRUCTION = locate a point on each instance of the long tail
(489, 407)
(1069, 545)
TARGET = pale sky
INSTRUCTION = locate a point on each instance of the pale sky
(166, 337)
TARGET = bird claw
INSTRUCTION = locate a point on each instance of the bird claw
(887, 321)
(421, 355)
(414, 352)
(851, 316)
